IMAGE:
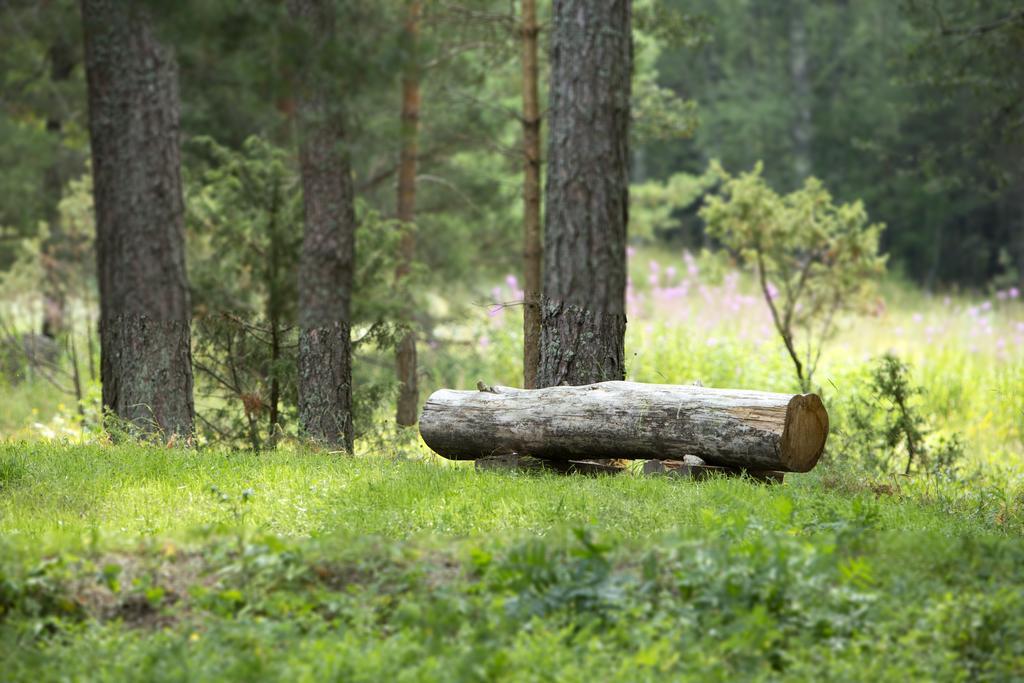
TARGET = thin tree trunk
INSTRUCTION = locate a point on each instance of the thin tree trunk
(1015, 221)
(328, 244)
(583, 321)
(274, 306)
(54, 248)
(145, 340)
(274, 415)
(532, 252)
(802, 132)
(405, 357)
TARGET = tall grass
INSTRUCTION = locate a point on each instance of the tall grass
(132, 562)
(697, 320)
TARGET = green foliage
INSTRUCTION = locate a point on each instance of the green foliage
(42, 107)
(909, 106)
(658, 114)
(886, 421)
(244, 218)
(669, 26)
(814, 259)
(655, 206)
(361, 568)
(244, 213)
(22, 280)
(542, 580)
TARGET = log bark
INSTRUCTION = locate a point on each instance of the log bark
(755, 430)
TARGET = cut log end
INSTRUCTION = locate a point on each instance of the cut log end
(804, 434)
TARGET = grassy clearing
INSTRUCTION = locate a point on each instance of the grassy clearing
(122, 564)
(144, 563)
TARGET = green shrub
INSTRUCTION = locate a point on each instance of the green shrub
(814, 259)
(885, 422)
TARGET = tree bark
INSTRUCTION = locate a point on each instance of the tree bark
(328, 243)
(405, 356)
(583, 320)
(532, 252)
(725, 427)
(145, 338)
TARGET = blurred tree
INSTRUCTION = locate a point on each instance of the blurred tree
(966, 69)
(909, 106)
(145, 314)
(41, 137)
(532, 247)
(405, 355)
(583, 318)
(63, 58)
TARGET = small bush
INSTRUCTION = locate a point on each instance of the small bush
(885, 425)
(814, 259)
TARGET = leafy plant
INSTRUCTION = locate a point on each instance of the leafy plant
(814, 259)
(654, 206)
(886, 421)
(245, 217)
(545, 579)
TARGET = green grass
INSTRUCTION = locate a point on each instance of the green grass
(146, 563)
(306, 566)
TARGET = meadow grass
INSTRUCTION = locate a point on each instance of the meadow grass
(132, 562)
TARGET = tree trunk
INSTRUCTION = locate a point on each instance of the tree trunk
(275, 314)
(54, 249)
(145, 341)
(405, 357)
(801, 81)
(531, 198)
(583, 320)
(328, 244)
(725, 427)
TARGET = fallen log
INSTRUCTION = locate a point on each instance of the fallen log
(754, 430)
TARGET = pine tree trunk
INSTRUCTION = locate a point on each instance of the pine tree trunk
(405, 356)
(531, 198)
(583, 320)
(145, 341)
(328, 245)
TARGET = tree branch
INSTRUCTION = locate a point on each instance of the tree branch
(783, 332)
